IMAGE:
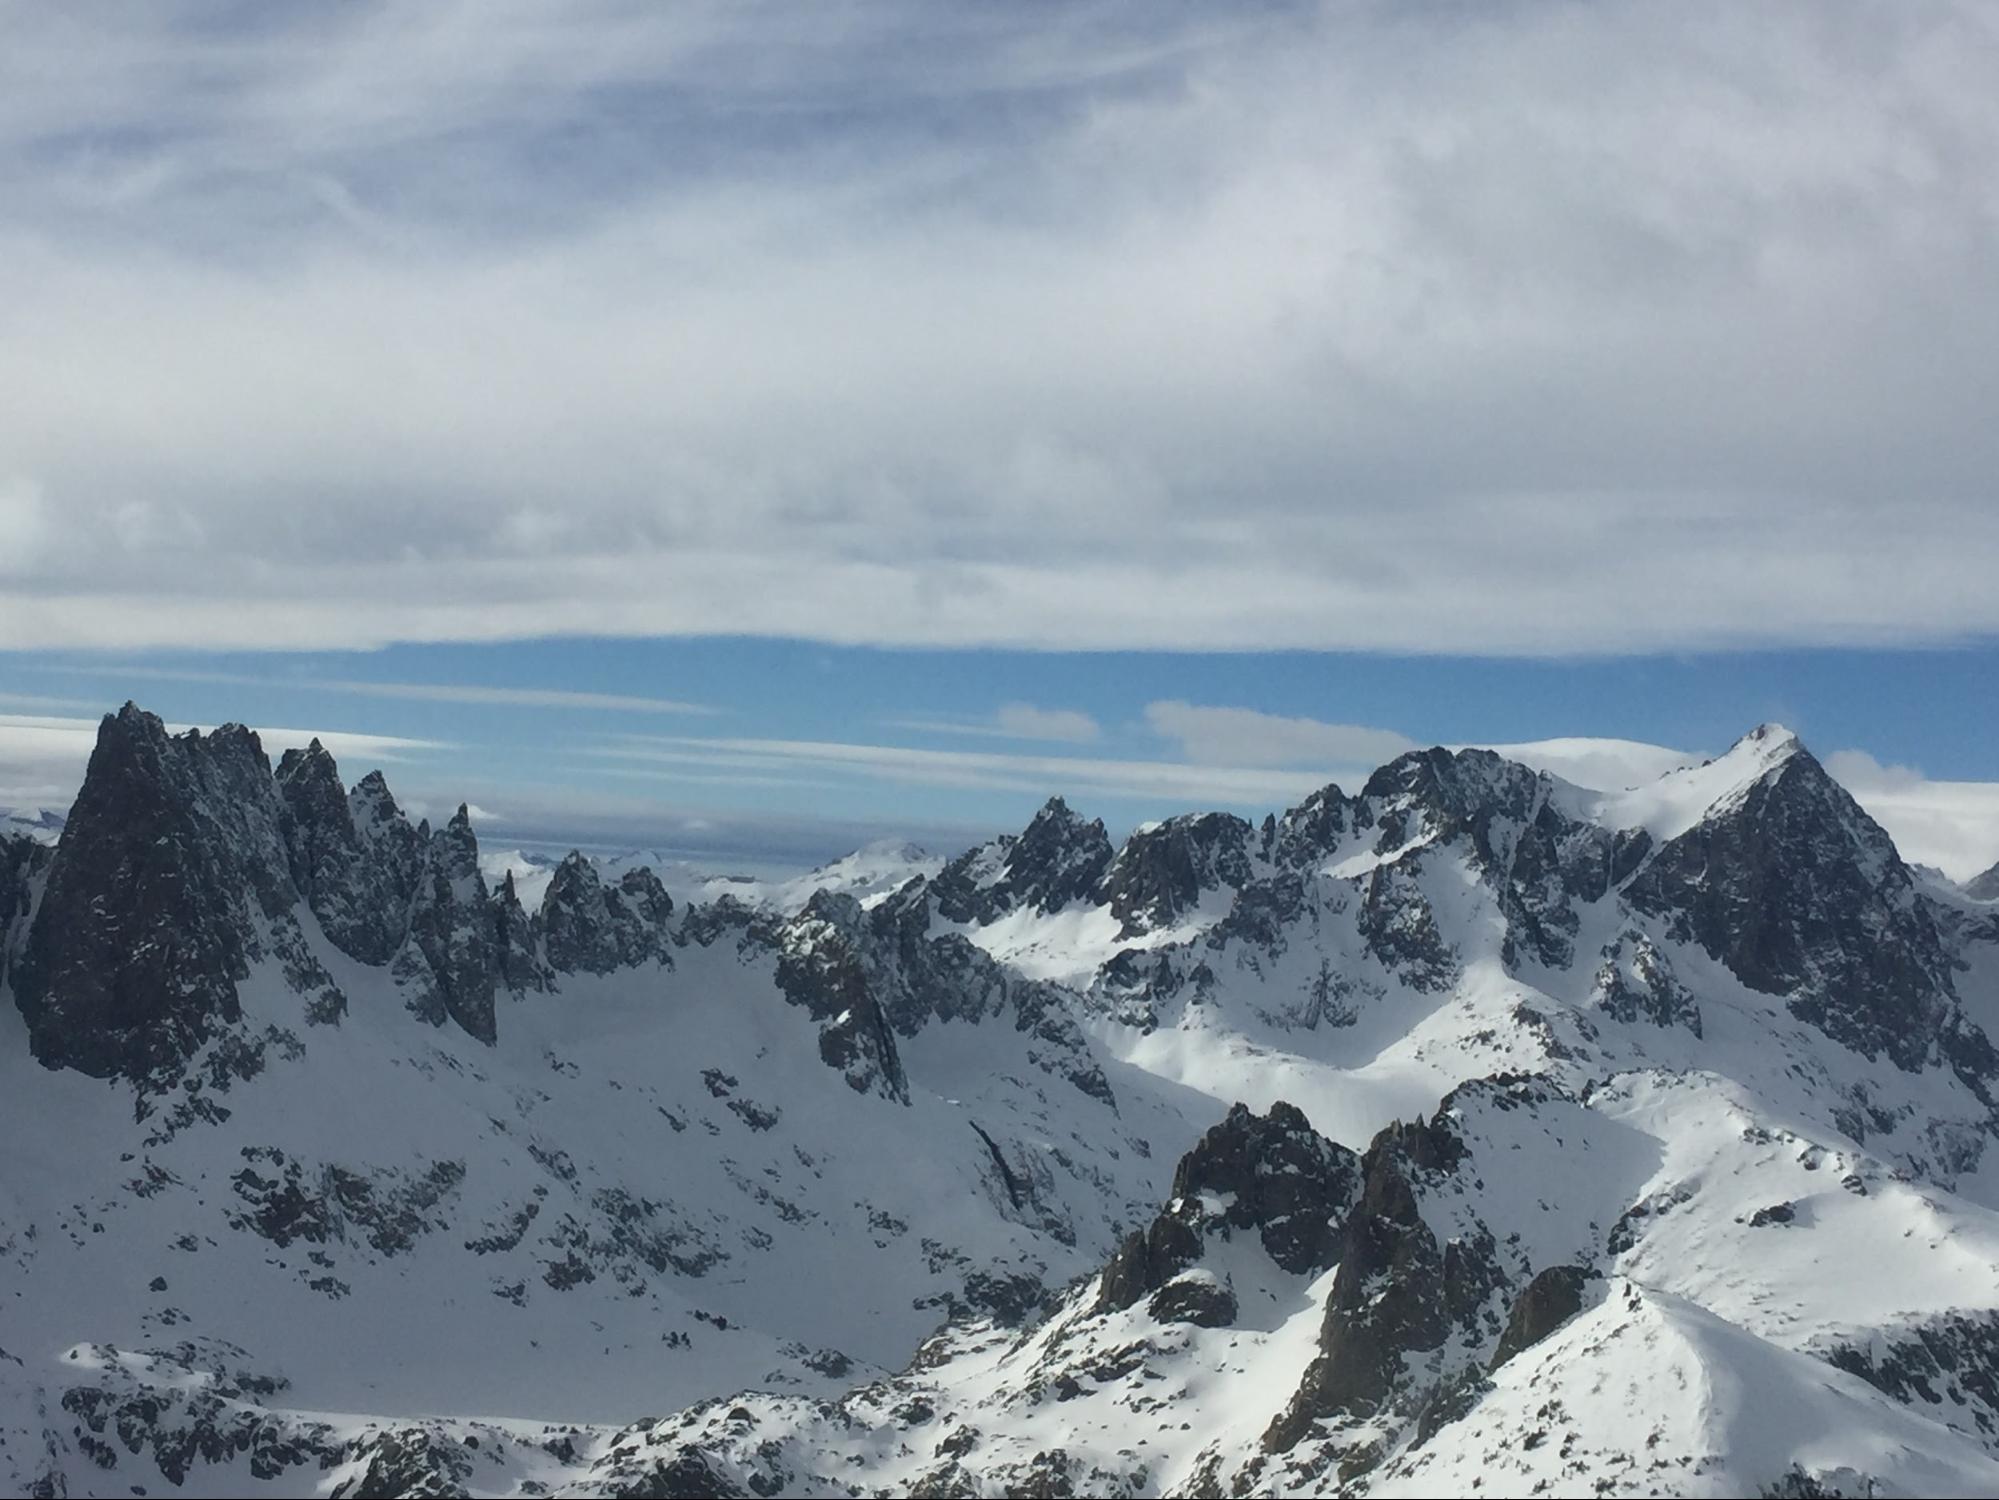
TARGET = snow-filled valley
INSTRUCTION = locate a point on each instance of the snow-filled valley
(1567, 1120)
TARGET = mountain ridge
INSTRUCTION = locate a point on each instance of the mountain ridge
(989, 1093)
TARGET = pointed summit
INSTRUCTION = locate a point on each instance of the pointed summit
(172, 875)
(1782, 876)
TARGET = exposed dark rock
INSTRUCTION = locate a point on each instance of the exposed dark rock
(1195, 1298)
(449, 964)
(1163, 870)
(1271, 1175)
(172, 877)
(1554, 1296)
(1278, 1177)
(1058, 858)
(22, 861)
(1401, 930)
(395, 847)
(516, 942)
(881, 968)
(1397, 1293)
(822, 968)
(1147, 1260)
(1947, 1367)
(1310, 831)
(1637, 983)
(588, 927)
(1802, 894)
(358, 886)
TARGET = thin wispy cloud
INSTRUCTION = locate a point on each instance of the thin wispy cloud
(1519, 329)
(420, 692)
(1210, 735)
(1016, 721)
(1119, 780)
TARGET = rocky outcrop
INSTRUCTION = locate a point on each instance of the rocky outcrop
(449, 965)
(591, 928)
(394, 845)
(172, 877)
(1057, 859)
(882, 965)
(1269, 1176)
(1636, 982)
(1554, 1296)
(823, 969)
(517, 942)
(1309, 832)
(1801, 894)
(1164, 869)
(22, 862)
(359, 886)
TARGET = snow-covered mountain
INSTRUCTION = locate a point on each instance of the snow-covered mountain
(1481, 1130)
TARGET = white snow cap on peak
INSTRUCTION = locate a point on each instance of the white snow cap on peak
(1772, 736)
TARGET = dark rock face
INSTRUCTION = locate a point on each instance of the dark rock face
(358, 886)
(1801, 893)
(1538, 861)
(1162, 871)
(1554, 1296)
(1269, 1175)
(1057, 859)
(449, 964)
(1947, 1367)
(516, 942)
(822, 968)
(590, 928)
(1310, 831)
(1637, 983)
(22, 859)
(1147, 1260)
(1196, 1298)
(1398, 1291)
(883, 971)
(1281, 1178)
(395, 847)
(1401, 930)
(172, 876)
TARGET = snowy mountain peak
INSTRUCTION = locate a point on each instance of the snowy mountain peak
(1984, 887)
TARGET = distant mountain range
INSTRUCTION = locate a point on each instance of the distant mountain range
(1550, 1121)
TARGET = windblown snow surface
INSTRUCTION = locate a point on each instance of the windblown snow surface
(1637, 1179)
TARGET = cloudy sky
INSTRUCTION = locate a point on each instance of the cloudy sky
(891, 413)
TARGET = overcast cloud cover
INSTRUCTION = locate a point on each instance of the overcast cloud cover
(1391, 333)
(1521, 328)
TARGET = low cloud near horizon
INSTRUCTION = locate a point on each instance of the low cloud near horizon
(1531, 329)
(1230, 757)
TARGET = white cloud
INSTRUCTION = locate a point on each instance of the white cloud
(1139, 327)
(423, 692)
(1017, 721)
(1247, 737)
(24, 527)
(1953, 825)
(1121, 780)
(1027, 722)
